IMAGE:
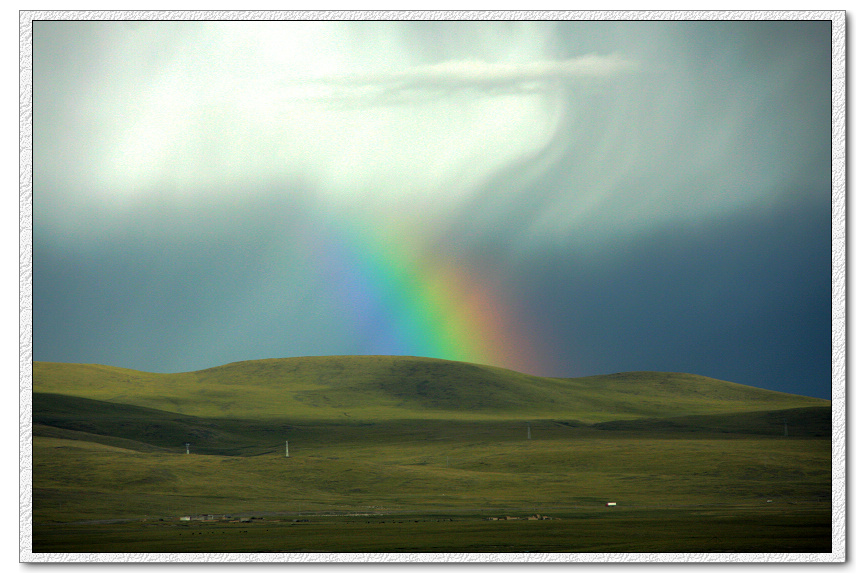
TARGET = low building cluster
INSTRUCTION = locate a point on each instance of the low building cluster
(532, 517)
(216, 518)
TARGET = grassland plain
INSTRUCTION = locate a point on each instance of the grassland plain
(417, 455)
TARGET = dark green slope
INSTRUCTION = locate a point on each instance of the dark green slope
(135, 427)
(58, 432)
(144, 429)
(799, 422)
(150, 430)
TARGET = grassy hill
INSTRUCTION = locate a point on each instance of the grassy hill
(442, 440)
(391, 387)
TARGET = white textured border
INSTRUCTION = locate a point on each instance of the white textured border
(839, 339)
(25, 287)
(839, 288)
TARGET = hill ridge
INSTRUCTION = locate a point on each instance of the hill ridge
(377, 387)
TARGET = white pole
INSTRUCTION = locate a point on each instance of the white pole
(286, 449)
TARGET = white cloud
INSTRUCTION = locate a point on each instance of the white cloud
(463, 78)
(192, 110)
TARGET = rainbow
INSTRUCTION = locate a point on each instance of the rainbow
(405, 302)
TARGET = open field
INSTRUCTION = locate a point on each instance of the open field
(110, 471)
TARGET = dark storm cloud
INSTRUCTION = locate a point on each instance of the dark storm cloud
(745, 299)
(173, 289)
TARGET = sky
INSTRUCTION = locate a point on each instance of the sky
(560, 198)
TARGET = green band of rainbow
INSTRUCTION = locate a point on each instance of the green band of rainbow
(408, 303)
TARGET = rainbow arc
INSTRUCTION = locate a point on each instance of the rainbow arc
(418, 304)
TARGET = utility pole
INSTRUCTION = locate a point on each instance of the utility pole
(286, 449)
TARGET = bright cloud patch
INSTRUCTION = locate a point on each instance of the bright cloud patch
(214, 106)
(470, 77)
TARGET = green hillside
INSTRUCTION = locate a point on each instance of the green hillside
(390, 387)
(438, 445)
